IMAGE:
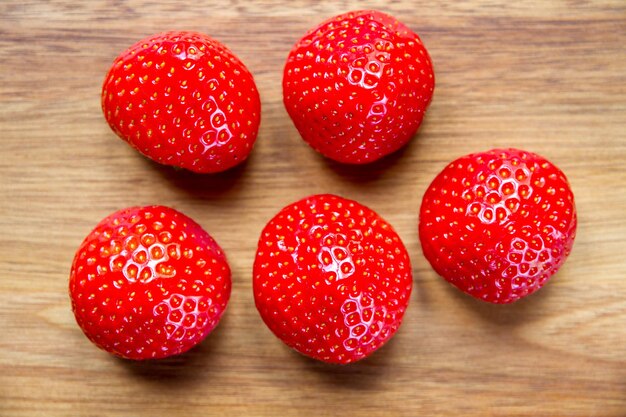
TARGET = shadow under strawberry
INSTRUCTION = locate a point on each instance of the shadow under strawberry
(403, 158)
(366, 173)
(180, 370)
(521, 312)
(366, 374)
(203, 186)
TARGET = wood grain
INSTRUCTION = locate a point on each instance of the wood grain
(545, 76)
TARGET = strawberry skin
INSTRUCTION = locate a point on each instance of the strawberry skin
(357, 86)
(498, 224)
(183, 99)
(148, 283)
(332, 279)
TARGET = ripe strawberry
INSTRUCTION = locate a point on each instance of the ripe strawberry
(357, 86)
(498, 224)
(148, 283)
(183, 99)
(332, 279)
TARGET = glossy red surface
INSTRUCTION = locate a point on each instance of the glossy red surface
(332, 279)
(148, 283)
(498, 224)
(183, 99)
(358, 85)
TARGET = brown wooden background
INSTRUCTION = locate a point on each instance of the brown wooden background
(547, 76)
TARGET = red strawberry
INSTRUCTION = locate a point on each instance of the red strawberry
(498, 224)
(148, 283)
(332, 279)
(358, 85)
(183, 99)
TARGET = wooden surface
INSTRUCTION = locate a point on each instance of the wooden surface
(547, 76)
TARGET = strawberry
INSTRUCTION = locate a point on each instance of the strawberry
(332, 279)
(357, 86)
(498, 224)
(183, 99)
(148, 283)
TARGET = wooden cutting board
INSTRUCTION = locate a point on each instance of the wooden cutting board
(547, 76)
